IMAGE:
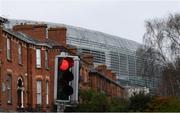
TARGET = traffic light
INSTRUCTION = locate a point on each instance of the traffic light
(66, 78)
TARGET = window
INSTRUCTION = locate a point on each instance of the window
(46, 32)
(39, 92)
(8, 49)
(9, 87)
(38, 58)
(46, 59)
(47, 92)
(20, 54)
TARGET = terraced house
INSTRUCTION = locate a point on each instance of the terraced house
(27, 58)
(25, 69)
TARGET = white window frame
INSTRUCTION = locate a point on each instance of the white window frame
(39, 92)
(8, 49)
(38, 58)
(20, 54)
(9, 89)
(47, 92)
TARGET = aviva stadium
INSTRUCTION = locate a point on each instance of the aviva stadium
(117, 53)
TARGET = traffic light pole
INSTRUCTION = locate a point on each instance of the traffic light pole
(66, 81)
(61, 107)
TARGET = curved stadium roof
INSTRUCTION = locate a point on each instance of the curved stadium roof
(90, 35)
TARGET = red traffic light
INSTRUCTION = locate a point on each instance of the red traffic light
(66, 63)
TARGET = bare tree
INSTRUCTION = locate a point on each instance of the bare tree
(162, 47)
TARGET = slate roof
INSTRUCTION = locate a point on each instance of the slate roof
(28, 39)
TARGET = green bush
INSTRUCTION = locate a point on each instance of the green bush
(139, 102)
(92, 101)
(165, 104)
(118, 105)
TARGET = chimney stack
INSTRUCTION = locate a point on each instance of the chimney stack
(37, 31)
(88, 58)
(58, 34)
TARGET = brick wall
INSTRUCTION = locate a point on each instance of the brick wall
(101, 84)
(27, 71)
(1, 46)
(103, 80)
(86, 65)
(42, 74)
(13, 68)
(58, 35)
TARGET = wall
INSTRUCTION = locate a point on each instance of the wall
(13, 68)
(99, 82)
(36, 31)
(27, 70)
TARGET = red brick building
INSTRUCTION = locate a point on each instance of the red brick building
(27, 64)
(99, 79)
(27, 57)
(103, 80)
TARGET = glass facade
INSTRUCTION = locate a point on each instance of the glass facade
(120, 55)
(117, 53)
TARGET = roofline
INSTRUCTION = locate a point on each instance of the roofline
(29, 41)
(99, 73)
(50, 24)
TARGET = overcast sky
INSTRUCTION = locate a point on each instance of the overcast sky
(123, 18)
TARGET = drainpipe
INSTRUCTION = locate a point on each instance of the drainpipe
(28, 81)
(22, 99)
(0, 79)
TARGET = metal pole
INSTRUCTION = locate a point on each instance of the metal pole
(60, 107)
(22, 97)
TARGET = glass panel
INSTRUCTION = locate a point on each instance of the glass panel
(47, 92)
(8, 49)
(39, 92)
(9, 83)
(38, 58)
(20, 54)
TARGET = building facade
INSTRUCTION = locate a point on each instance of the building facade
(99, 79)
(27, 60)
(27, 64)
(103, 80)
(118, 54)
